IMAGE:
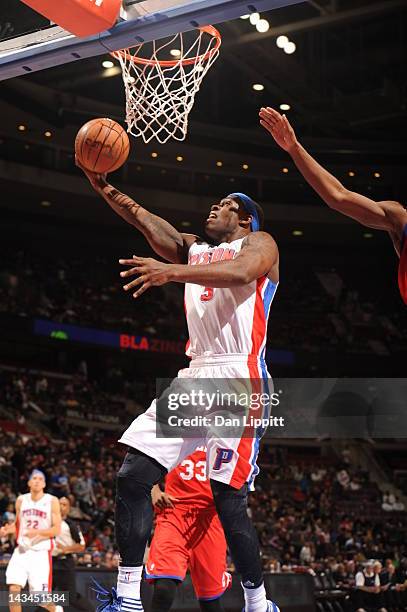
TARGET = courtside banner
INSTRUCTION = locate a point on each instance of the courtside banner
(282, 408)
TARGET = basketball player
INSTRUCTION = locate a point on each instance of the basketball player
(387, 215)
(38, 522)
(187, 533)
(230, 282)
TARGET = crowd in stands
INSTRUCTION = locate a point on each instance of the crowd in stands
(307, 511)
(315, 310)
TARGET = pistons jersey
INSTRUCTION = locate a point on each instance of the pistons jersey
(35, 515)
(230, 321)
(189, 484)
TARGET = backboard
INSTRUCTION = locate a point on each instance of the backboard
(29, 43)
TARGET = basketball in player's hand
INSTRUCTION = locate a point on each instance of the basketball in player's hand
(102, 145)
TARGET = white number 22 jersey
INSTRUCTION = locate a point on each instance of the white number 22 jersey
(35, 515)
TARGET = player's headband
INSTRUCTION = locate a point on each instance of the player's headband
(250, 207)
(37, 473)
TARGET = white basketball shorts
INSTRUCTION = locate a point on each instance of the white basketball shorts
(32, 566)
(229, 460)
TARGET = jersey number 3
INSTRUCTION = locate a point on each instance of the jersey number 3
(207, 294)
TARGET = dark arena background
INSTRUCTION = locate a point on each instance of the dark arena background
(79, 357)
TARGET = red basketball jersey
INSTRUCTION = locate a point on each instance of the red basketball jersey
(188, 482)
(403, 266)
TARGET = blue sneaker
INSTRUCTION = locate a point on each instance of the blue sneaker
(271, 607)
(109, 600)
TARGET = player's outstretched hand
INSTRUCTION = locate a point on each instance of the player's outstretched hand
(96, 180)
(151, 273)
(279, 127)
(161, 499)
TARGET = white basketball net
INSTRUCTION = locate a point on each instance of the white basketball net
(159, 97)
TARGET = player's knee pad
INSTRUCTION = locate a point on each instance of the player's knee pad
(231, 504)
(164, 594)
(134, 513)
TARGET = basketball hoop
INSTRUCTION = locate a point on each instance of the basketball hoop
(160, 92)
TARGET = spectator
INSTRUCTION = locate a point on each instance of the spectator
(368, 592)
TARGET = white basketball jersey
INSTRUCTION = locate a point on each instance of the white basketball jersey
(231, 320)
(35, 515)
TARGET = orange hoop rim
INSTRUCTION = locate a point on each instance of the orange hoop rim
(208, 29)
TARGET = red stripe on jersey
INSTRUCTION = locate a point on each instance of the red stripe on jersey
(259, 328)
(244, 466)
(50, 571)
(403, 269)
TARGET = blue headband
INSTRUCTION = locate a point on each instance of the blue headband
(250, 207)
(37, 473)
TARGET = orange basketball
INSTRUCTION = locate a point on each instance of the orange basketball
(102, 145)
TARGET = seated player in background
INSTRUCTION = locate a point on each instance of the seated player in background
(387, 215)
(188, 533)
(38, 522)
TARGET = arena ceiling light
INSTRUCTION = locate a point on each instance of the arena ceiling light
(179, 158)
(175, 52)
(154, 154)
(290, 48)
(22, 127)
(48, 134)
(282, 41)
(285, 107)
(262, 26)
(219, 164)
(298, 233)
(245, 167)
(258, 87)
(107, 64)
(351, 173)
(284, 170)
(244, 16)
(254, 18)
(377, 175)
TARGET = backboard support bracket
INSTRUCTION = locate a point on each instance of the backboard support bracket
(139, 22)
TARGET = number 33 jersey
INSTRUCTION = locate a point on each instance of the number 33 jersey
(188, 482)
(230, 320)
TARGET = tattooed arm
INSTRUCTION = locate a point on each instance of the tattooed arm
(164, 239)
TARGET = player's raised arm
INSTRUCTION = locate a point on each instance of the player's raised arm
(164, 239)
(366, 211)
(258, 257)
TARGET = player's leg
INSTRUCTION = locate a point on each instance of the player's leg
(134, 520)
(16, 579)
(40, 574)
(232, 468)
(168, 557)
(232, 464)
(208, 561)
(164, 594)
(211, 605)
(242, 540)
